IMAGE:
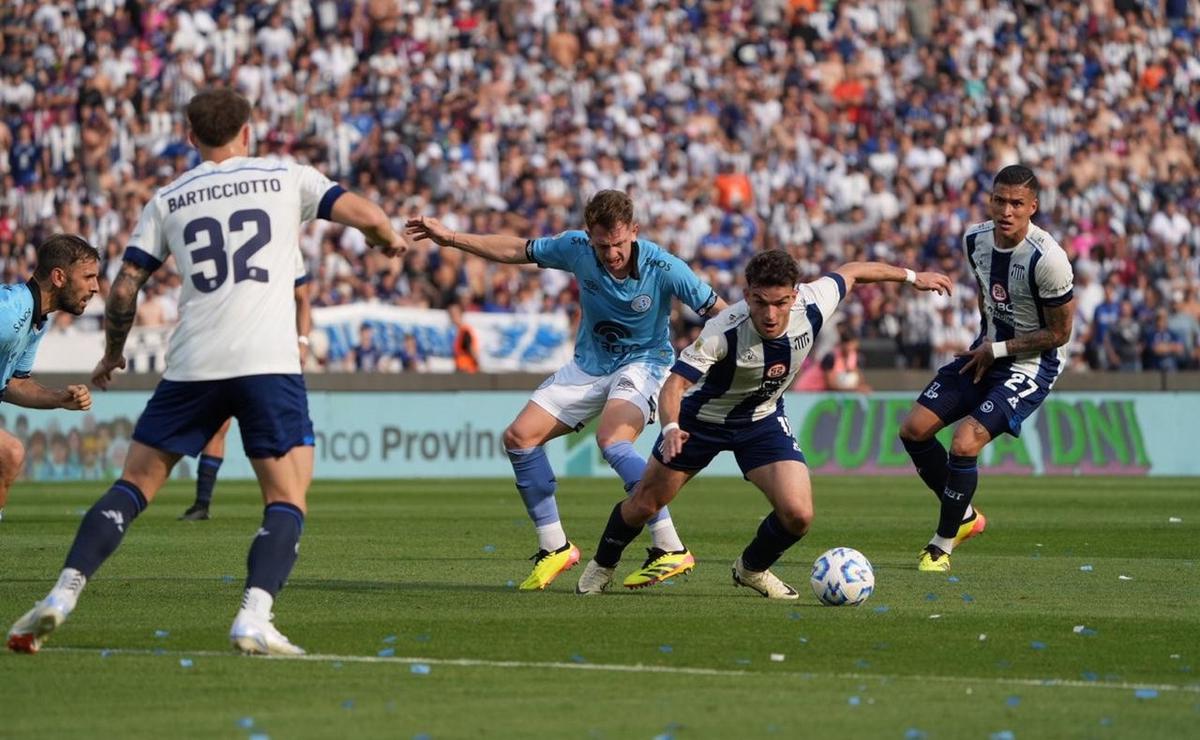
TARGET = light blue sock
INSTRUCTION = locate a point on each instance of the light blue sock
(535, 482)
(630, 466)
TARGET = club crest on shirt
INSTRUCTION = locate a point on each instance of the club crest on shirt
(999, 293)
(1016, 273)
(777, 370)
(641, 303)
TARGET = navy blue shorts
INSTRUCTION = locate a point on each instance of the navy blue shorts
(272, 412)
(1000, 401)
(761, 443)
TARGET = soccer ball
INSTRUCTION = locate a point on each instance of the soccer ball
(842, 577)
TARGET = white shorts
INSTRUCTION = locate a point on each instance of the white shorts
(575, 397)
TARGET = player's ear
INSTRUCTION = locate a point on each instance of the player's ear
(245, 134)
(191, 137)
(633, 230)
(58, 277)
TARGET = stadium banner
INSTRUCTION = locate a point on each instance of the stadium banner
(508, 342)
(439, 435)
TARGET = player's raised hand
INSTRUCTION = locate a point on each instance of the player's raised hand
(77, 398)
(428, 227)
(393, 247)
(672, 445)
(935, 281)
(981, 359)
(102, 375)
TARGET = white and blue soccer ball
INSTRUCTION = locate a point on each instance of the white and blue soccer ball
(842, 577)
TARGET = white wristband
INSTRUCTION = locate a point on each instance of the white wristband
(999, 349)
(910, 276)
(669, 427)
(303, 340)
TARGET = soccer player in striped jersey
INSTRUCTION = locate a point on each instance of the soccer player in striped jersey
(1025, 286)
(726, 393)
(232, 226)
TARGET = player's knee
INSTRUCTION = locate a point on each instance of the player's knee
(12, 457)
(910, 431)
(796, 519)
(514, 440)
(642, 507)
(966, 443)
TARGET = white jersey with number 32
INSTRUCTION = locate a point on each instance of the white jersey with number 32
(234, 230)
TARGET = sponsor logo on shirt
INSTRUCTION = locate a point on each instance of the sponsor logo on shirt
(641, 303)
(999, 294)
(1016, 272)
(776, 370)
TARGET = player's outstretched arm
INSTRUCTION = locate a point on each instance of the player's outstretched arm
(356, 211)
(669, 399)
(31, 394)
(881, 272)
(119, 312)
(495, 247)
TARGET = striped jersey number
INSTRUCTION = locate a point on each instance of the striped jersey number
(1014, 385)
(215, 250)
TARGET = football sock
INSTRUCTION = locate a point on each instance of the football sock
(536, 484)
(630, 466)
(929, 457)
(206, 478)
(960, 488)
(103, 527)
(617, 536)
(275, 547)
(769, 543)
(551, 536)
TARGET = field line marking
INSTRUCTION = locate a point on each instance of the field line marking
(638, 668)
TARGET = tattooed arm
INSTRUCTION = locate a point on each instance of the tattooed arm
(1056, 333)
(119, 312)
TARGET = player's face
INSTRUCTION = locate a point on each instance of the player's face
(77, 284)
(770, 307)
(1012, 206)
(614, 246)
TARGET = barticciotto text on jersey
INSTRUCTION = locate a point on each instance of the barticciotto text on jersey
(210, 193)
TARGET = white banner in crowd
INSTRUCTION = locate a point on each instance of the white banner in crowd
(507, 342)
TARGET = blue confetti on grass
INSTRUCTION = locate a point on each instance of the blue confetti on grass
(423, 638)
(665, 649)
(882, 608)
(668, 582)
(159, 651)
(913, 733)
(952, 579)
(105, 653)
(422, 736)
(337, 664)
(968, 598)
(1037, 645)
(854, 701)
(1089, 676)
(185, 662)
(1086, 568)
(420, 669)
(489, 549)
(1002, 735)
(931, 597)
(804, 640)
(577, 658)
(862, 663)
(260, 736)
(389, 640)
(664, 736)
(742, 661)
(1086, 632)
(1013, 701)
(794, 615)
(161, 633)
(1003, 664)
(1106, 722)
(245, 723)
(387, 653)
(511, 584)
(227, 579)
(1146, 694)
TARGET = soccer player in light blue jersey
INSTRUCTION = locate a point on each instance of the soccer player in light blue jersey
(66, 278)
(622, 355)
(726, 394)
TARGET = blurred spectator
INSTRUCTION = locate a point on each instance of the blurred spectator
(412, 359)
(1164, 347)
(1123, 341)
(840, 369)
(367, 356)
(466, 351)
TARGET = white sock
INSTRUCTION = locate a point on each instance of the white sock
(258, 602)
(67, 589)
(551, 536)
(945, 543)
(970, 512)
(663, 535)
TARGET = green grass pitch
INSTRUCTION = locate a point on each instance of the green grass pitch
(404, 597)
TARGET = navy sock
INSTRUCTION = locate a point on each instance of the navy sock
(771, 542)
(930, 459)
(536, 484)
(275, 547)
(960, 489)
(206, 478)
(617, 536)
(104, 526)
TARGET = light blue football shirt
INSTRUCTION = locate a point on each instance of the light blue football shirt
(20, 331)
(624, 321)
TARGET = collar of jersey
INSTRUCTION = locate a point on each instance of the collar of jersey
(634, 255)
(39, 318)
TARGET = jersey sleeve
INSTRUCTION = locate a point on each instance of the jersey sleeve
(147, 247)
(1055, 280)
(688, 287)
(24, 365)
(302, 275)
(708, 349)
(825, 293)
(558, 251)
(317, 194)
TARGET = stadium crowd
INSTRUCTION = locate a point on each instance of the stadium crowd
(838, 131)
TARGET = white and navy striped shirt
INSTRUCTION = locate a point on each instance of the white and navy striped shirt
(1016, 285)
(739, 376)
